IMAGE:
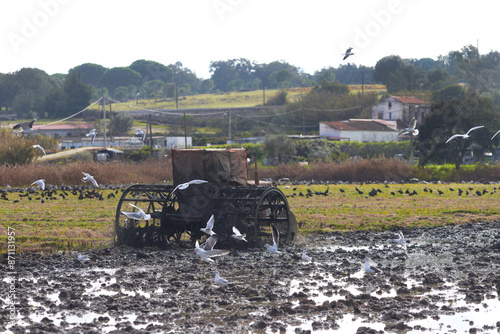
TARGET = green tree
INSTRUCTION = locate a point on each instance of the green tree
(153, 88)
(207, 85)
(121, 124)
(454, 115)
(121, 93)
(119, 76)
(152, 70)
(235, 85)
(279, 147)
(90, 73)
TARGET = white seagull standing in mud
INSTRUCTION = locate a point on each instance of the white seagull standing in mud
(90, 178)
(219, 280)
(137, 215)
(464, 136)
(183, 186)
(207, 251)
(92, 134)
(209, 227)
(139, 132)
(40, 183)
(305, 257)
(26, 127)
(237, 234)
(276, 239)
(81, 257)
(401, 240)
(370, 269)
(411, 129)
(38, 146)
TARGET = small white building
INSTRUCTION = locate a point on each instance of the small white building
(362, 130)
(63, 130)
(402, 108)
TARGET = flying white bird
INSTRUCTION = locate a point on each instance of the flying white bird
(40, 183)
(90, 178)
(348, 53)
(495, 134)
(305, 257)
(207, 251)
(139, 132)
(370, 269)
(464, 136)
(38, 146)
(411, 129)
(219, 280)
(209, 227)
(401, 240)
(136, 215)
(92, 134)
(82, 257)
(183, 186)
(276, 240)
(237, 234)
(26, 127)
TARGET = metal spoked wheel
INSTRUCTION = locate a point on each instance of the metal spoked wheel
(272, 209)
(151, 199)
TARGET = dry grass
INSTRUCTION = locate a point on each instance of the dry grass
(150, 171)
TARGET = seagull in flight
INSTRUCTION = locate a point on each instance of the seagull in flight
(464, 136)
(209, 227)
(183, 186)
(26, 127)
(137, 215)
(38, 146)
(276, 240)
(305, 257)
(82, 257)
(207, 251)
(90, 178)
(348, 53)
(219, 280)
(370, 269)
(92, 134)
(400, 240)
(411, 129)
(139, 132)
(237, 234)
(40, 183)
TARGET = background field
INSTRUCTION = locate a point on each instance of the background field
(72, 224)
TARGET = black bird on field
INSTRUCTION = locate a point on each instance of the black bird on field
(400, 191)
(478, 193)
(440, 192)
(460, 191)
(359, 191)
(392, 193)
(342, 190)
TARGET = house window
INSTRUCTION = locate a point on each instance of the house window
(380, 115)
(422, 117)
(390, 115)
(390, 105)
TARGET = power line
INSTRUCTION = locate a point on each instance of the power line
(64, 119)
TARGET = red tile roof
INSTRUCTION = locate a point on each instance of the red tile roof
(359, 125)
(409, 100)
(62, 127)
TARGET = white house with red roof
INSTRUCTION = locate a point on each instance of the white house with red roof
(402, 108)
(62, 130)
(362, 130)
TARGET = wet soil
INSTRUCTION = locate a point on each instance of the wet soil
(448, 280)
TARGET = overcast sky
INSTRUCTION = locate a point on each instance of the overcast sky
(56, 35)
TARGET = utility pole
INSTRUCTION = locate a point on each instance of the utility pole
(104, 117)
(229, 126)
(263, 91)
(150, 135)
(185, 132)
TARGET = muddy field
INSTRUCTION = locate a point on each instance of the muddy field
(447, 281)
